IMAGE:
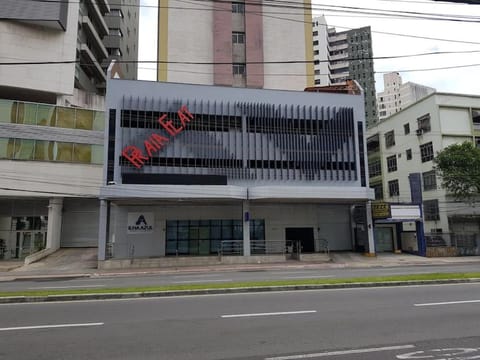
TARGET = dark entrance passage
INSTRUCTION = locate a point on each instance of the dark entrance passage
(304, 235)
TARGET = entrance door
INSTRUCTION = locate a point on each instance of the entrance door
(383, 239)
(29, 242)
(304, 235)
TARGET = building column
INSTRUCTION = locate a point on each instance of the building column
(103, 229)
(54, 226)
(371, 240)
(246, 228)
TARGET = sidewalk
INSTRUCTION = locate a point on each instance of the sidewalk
(81, 263)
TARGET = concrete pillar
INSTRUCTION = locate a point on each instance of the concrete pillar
(371, 240)
(54, 227)
(246, 228)
(103, 224)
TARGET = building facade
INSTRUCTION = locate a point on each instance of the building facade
(198, 170)
(406, 143)
(235, 44)
(397, 96)
(342, 56)
(52, 87)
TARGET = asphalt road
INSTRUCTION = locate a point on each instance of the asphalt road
(105, 281)
(418, 322)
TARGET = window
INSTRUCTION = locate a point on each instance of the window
(375, 168)
(238, 37)
(315, 33)
(238, 7)
(315, 42)
(389, 139)
(430, 210)
(317, 72)
(406, 128)
(239, 69)
(424, 123)
(392, 163)
(409, 154)
(316, 52)
(373, 144)
(476, 116)
(426, 152)
(378, 188)
(116, 12)
(429, 180)
(317, 81)
(393, 189)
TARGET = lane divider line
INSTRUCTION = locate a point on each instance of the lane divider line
(64, 287)
(270, 314)
(449, 303)
(49, 326)
(342, 352)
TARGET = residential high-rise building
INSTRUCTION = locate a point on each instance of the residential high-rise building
(342, 56)
(235, 44)
(53, 65)
(320, 52)
(351, 57)
(397, 96)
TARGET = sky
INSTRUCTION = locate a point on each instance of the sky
(406, 32)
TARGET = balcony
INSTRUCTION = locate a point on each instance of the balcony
(338, 56)
(344, 64)
(339, 47)
(103, 5)
(93, 37)
(90, 64)
(96, 17)
(339, 37)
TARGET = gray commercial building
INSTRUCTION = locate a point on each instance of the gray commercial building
(194, 171)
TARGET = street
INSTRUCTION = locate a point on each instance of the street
(416, 322)
(136, 280)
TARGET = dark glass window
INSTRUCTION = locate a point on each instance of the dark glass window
(426, 152)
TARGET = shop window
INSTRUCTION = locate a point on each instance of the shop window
(431, 210)
(392, 163)
(393, 188)
(426, 152)
(46, 115)
(429, 180)
(24, 149)
(26, 113)
(82, 153)
(8, 111)
(62, 151)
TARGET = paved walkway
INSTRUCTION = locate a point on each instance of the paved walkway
(82, 262)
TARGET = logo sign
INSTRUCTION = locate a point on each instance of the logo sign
(140, 223)
(380, 210)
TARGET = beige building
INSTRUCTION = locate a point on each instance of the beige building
(235, 44)
(397, 96)
(406, 143)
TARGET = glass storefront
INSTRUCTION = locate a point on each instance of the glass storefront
(27, 235)
(204, 237)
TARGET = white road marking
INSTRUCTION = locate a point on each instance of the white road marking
(200, 281)
(49, 326)
(270, 314)
(64, 287)
(341, 352)
(311, 277)
(449, 303)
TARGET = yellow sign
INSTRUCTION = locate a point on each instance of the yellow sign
(380, 210)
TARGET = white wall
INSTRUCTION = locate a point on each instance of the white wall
(47, 179)
(23, 43)
(284, 40)
(190, 38)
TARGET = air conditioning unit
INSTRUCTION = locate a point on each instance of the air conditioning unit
(419, 132)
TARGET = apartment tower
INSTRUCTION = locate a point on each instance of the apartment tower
(235, 44)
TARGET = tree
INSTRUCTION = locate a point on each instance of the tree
(459, 167)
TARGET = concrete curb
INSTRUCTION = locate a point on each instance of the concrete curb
(153, 294)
